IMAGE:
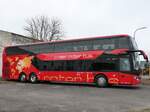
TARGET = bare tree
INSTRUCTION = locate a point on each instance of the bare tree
(44, 28)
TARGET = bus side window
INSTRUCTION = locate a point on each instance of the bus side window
(88, 45)
(51, 66)
(69, 65)
(77, 65)
(82, 45)
(104, 44)
(45, 67)
(36, 62)
(86, 66)
(41, 65)
(49, 48)
(125, 64)
(96, 47)
(62, 47)
(68, 47)
(59, 47)
(77, 46)
(122, 43)
(58, 65)
(48, 65)
(40, 48)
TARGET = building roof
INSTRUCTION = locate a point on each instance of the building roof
(26, 37)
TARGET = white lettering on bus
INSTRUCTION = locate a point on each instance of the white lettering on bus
(63, 78)
(77, 78)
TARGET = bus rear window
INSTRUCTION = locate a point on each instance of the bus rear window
(15, 51)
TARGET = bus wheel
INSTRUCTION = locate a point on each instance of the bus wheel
(22, 77)
(33, 78)
(101, 81)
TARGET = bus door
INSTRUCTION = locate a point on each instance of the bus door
(125, 63)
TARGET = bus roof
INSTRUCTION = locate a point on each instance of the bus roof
(71, 40)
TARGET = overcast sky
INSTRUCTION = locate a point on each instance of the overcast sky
(82, 18)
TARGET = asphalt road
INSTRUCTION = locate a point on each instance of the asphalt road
(46, 97)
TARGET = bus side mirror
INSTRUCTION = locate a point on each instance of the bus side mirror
(144, 55)
(141, 53)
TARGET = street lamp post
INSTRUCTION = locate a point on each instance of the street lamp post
(141, 28)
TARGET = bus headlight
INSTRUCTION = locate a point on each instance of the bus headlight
(136, 78)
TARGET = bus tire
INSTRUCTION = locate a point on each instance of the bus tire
(101, 81)
(33, 78)
(22, 77)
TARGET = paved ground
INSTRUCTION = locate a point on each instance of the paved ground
(45, 97)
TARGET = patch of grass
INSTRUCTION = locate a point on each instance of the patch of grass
(144, 110)
(0, 78)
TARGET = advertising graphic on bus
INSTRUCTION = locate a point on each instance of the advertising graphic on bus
(107, 60)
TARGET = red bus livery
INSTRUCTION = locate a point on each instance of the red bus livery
(108, 60)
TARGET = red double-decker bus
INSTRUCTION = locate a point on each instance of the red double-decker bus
(107, 60)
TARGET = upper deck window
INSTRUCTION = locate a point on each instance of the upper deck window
(123, 43)
(106, 44)
(111, 43)
(82, 46)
